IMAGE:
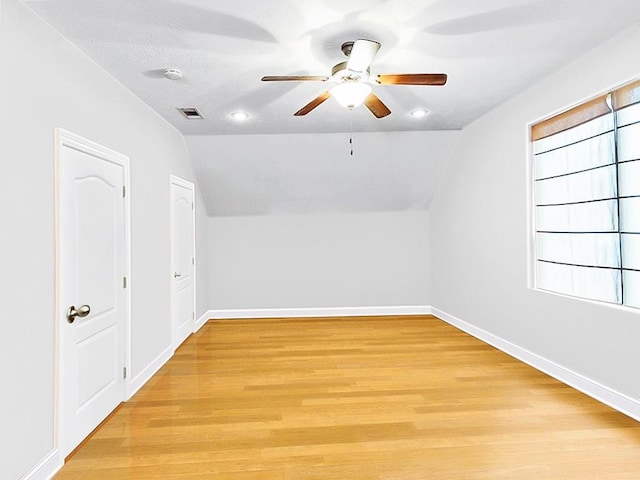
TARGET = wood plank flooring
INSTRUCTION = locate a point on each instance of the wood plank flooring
(375, 398)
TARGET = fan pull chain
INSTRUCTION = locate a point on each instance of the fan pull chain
(351, 131)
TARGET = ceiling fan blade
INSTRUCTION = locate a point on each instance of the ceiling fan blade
(375, 106)
(436, 79)
(362, 55)
(312, 104)
(295, 78)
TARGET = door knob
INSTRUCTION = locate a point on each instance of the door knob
(176, 274)
(81, 312)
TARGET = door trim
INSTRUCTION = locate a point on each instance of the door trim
(65, 138)
(181, 182)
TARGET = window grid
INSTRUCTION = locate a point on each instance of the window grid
(613, 289)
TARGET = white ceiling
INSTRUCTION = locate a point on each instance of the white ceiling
(491, 50)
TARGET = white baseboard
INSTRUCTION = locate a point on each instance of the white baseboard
(602, 393)
(202, 320)
(318, 312)
(143, 377)
(46, 468)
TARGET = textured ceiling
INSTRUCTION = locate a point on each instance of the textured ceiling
(491, 49)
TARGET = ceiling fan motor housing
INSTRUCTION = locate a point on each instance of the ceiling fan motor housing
(353, 80)
(340, 74)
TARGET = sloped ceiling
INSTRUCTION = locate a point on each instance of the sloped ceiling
(491, 50)
(311, 173)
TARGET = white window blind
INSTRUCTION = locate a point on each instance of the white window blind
(586, 164)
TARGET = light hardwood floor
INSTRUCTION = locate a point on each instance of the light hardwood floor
(384, 398)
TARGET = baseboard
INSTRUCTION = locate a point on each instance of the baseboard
(319, 312)
(202, 320)
(46, 468)
(602, 393)
(136, 383)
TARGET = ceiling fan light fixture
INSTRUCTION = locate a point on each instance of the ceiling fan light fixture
(351, 94)
(419, 113)
(239, 116)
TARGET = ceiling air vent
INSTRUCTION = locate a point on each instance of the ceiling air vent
(191, 113)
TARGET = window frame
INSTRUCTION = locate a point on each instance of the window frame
(531, 237)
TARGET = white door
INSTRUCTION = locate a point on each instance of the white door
(92, 305)
(182, 259)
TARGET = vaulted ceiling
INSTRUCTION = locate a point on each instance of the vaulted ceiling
(491, 50)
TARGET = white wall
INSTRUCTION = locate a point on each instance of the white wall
(479, 233)
(293, 174)
(329, 260)
(46, 83)
(202, 258)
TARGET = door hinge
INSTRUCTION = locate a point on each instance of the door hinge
(124, 191)
(193, 314)
(124, 372)
(124, 282)
(193, 261)
(192, 207)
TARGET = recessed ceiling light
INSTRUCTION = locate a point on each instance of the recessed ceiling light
(419, 113)
(239, 116)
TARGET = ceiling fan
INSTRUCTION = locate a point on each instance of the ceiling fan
(353, 80)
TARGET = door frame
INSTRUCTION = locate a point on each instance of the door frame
(181, 182)
(65, 138)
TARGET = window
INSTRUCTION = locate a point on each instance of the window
(586, 171)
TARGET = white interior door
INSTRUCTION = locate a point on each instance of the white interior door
(92, 306)
(182, 259)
